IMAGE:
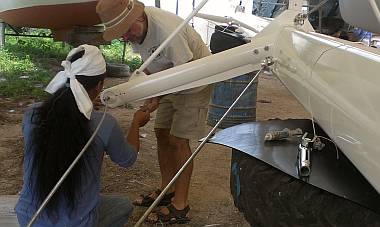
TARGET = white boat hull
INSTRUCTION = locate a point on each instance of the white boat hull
(337, 83)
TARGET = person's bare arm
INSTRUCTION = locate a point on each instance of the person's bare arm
(140, 118)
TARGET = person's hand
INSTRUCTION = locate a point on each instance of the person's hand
(150, 104)
(97, 103)
(141, 117)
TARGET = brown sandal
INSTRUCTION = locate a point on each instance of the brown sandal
(147, 200)
(173, 217)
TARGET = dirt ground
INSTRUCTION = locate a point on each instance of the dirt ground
(210, 199)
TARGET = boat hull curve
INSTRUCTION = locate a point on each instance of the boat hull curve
(52, 16)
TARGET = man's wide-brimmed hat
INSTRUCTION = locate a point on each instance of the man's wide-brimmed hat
(118, 15)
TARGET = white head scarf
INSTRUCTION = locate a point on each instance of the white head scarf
(91, 64)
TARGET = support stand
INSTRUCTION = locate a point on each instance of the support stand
(265, 64)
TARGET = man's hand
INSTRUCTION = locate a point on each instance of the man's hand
(151, 104)
(97, 103)
(141, 117)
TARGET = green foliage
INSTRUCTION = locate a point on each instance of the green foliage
(114, 53)
(36, 47)
(134, 62)
(28, 64)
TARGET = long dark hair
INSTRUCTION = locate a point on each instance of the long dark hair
(60, 134)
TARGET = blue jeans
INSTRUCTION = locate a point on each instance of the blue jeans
(114, 211)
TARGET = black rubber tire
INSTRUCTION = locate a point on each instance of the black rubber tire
(269, 197)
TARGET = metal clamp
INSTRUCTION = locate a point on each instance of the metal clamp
(304, 160)
(299, 20)
(305, 148)
(267, 63)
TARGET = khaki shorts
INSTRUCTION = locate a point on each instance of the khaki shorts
(185, 115)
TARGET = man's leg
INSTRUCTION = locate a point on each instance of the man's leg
(181, 152)
(166, 162)
(165, 156)
(188, 123)
(162, 127)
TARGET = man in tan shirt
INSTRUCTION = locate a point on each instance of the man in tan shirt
(180, 116)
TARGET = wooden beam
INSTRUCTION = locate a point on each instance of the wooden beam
(7, 213)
